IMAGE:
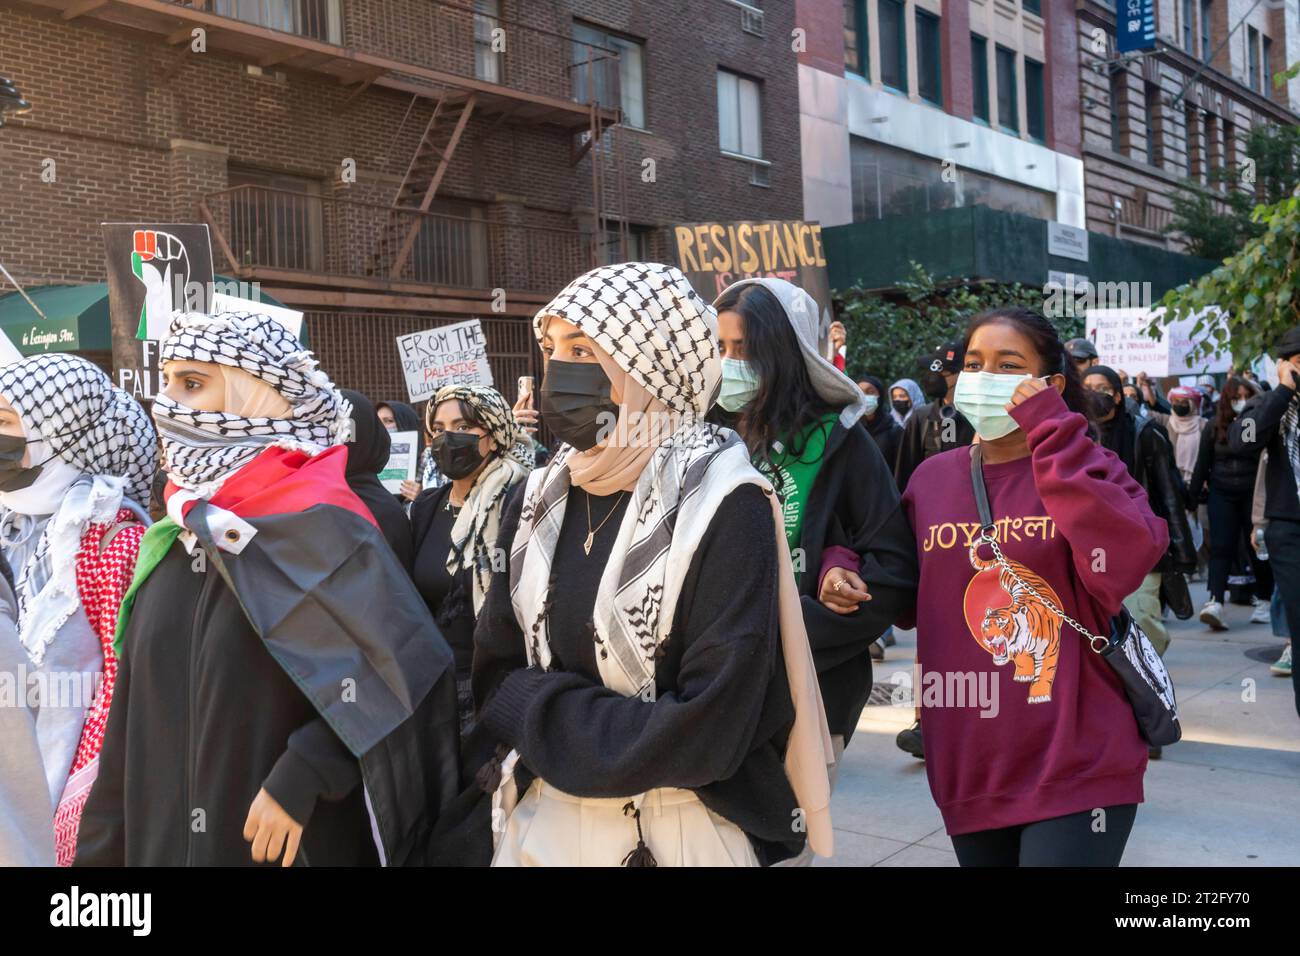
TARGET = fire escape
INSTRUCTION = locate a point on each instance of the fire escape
(540, 77)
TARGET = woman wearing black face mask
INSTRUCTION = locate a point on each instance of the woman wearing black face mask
(477, 445)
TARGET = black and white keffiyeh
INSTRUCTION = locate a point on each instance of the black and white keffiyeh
(203, 448)
(662, 334)
(474, 532)
(653, 324)
(1291, 438)
(90, 422)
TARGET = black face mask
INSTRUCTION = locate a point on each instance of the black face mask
(575, 402)
(903, 407)
(934, 385)
(1181, 410)
(1100, 404)
(456, 453)
(13, 476)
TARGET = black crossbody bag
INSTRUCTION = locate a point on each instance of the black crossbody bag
(1127, 650)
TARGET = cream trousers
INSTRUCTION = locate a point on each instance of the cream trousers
(552, 828)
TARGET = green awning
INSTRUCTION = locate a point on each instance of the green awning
(76, 318)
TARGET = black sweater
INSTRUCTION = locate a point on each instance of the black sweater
(450, 599)
(853, 504)
(1281, 502)
(925, 435)
(722, 710)
(202, 718)
(888, 435)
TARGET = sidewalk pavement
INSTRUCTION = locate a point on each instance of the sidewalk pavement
(1227, 794)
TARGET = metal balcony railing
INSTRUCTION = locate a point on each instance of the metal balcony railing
(260, 228)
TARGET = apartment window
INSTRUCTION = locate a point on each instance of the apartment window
(740, 115)
(1207, 10)
(1195, 153)
(893, 44)
(1267, 57)
(612, 83)
(887, 181)
(1035, 113)
(1189, 25)
(1118, 110)
(1008, 105)
(451, 246)
(318, 19)
(638, 242)
(1229, 145)
(979, 65)
(856, 45)
(275, 220)
(1154, 124)
(1252, 56)
(1211, 145)
(487, 62)
(1034, 6)
(929, 78)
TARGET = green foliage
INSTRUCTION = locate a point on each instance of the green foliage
(887, 334)
(1217, 223)
(1258, 289)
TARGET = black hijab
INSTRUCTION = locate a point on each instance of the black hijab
(406, 417)
(1118, 433)
(367, 455)
(883, 421)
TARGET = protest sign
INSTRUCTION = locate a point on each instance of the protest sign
(1123, 343)
(403, 458)
(291, 319)
(713, 255)
(453, 354)
(153, 270)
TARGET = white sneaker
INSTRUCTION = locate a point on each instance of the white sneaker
(1260, 615)
(1212, 614)
(1282, 666)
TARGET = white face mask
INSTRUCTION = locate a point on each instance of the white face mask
(1238, 405)
(982, 398)
(871, 403)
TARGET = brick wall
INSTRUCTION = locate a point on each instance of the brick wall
(139, 130)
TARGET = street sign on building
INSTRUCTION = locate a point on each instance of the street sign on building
(1068, 242)
(1135, 25)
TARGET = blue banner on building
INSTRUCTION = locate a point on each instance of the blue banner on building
(1135, 25)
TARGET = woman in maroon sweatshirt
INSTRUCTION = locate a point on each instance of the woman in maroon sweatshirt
(1032, 750)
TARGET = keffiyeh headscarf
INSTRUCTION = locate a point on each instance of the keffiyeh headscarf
(655, 338)
(83, 417)
(474, 533)
(202, 449)
(658, 347)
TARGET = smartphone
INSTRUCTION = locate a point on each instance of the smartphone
(526, 389)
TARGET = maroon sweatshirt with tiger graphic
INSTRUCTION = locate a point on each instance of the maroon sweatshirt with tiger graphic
(1022, 720)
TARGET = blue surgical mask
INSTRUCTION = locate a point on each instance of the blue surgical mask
(982, 398)
(871, 403)
(739, 385)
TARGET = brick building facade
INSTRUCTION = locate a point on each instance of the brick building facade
(260, 131)
(1151, 122)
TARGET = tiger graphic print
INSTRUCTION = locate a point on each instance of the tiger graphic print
(1025, 631)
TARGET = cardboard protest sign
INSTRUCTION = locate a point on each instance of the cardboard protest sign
(1123, 343)
(713, 255)
(403, 459)
(153, 270)
(453, 354)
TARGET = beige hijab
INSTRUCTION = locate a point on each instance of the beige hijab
(249, 397)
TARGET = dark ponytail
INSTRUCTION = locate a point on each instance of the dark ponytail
(1047, 343)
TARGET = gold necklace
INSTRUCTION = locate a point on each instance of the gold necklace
(591, 534)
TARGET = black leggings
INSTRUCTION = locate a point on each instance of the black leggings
(1229, 528)
(1061, 841)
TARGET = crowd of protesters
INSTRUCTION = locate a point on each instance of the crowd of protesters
(648, 643)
